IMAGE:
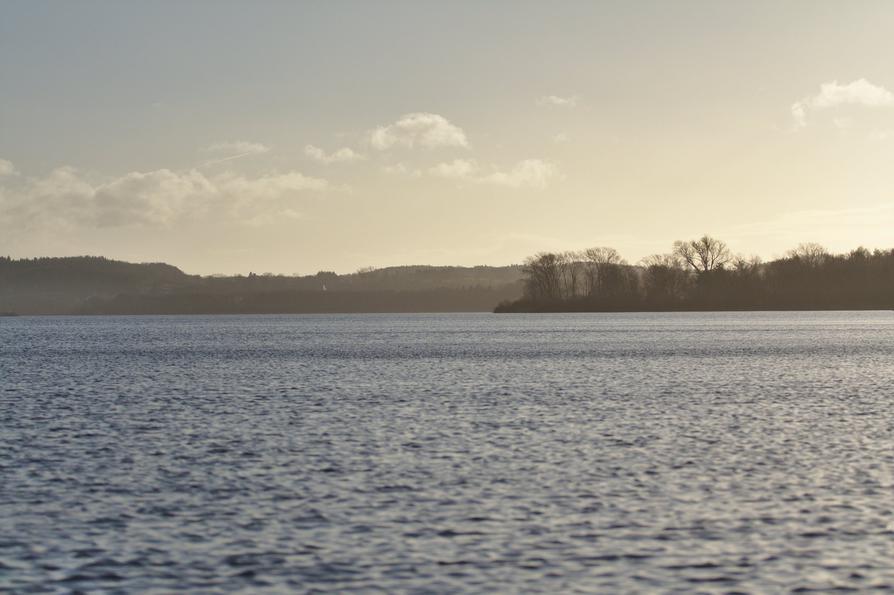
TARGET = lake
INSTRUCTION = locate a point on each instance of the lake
(436, 453)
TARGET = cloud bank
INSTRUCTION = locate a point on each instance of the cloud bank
(859, 92)
(418, 129)
(67, 198)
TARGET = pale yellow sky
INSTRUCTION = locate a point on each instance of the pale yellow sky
(236, 137)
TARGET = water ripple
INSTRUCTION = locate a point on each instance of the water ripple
(427, 453)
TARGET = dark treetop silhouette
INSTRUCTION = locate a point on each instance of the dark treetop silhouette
(703, 274)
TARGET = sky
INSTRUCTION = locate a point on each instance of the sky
(291, 137)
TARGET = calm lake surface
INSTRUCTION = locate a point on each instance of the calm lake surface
(431, 453)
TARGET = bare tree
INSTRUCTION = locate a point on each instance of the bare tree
(598, 263)
(543, 277)
(810, 253)
(703, 255)
(664, 279)
(670, 261)
(747, 265)
(603, 255)
(571, 274)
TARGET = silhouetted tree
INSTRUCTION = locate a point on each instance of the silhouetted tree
(599, 262)
(704, 254)
(571, 274)
(665, 281)
(810, 254)
(543, 277)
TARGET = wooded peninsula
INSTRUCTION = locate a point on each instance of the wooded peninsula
(703, 274)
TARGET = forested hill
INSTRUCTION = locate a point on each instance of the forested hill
(96, 285)
(62, 285)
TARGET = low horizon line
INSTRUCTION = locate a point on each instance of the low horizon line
(371, 268)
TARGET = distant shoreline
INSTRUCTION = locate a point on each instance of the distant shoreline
(596, 280)
(442, 312)
(96, 285)
(512, 309)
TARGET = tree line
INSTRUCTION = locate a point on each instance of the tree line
(704, 274)
(97, 285)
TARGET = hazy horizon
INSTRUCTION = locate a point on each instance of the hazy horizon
(751, 257)
(227, 138)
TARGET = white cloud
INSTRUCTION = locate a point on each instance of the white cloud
(67, 198)
(561, 138)
(341, 155)
(799, 113)
(859, 92)
(6, 168)
(153, 198)
(530, 173)
(401, 169)
(422, 129)
(558, 101)
(269, 187)
(239, 146)
(458, 168)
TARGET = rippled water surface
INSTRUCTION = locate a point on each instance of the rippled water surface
(430, 453)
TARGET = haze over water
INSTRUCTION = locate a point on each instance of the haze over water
(473, 452)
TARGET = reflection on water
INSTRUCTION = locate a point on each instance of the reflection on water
(448, 452)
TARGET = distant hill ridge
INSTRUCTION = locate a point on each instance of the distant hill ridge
(98, 285)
